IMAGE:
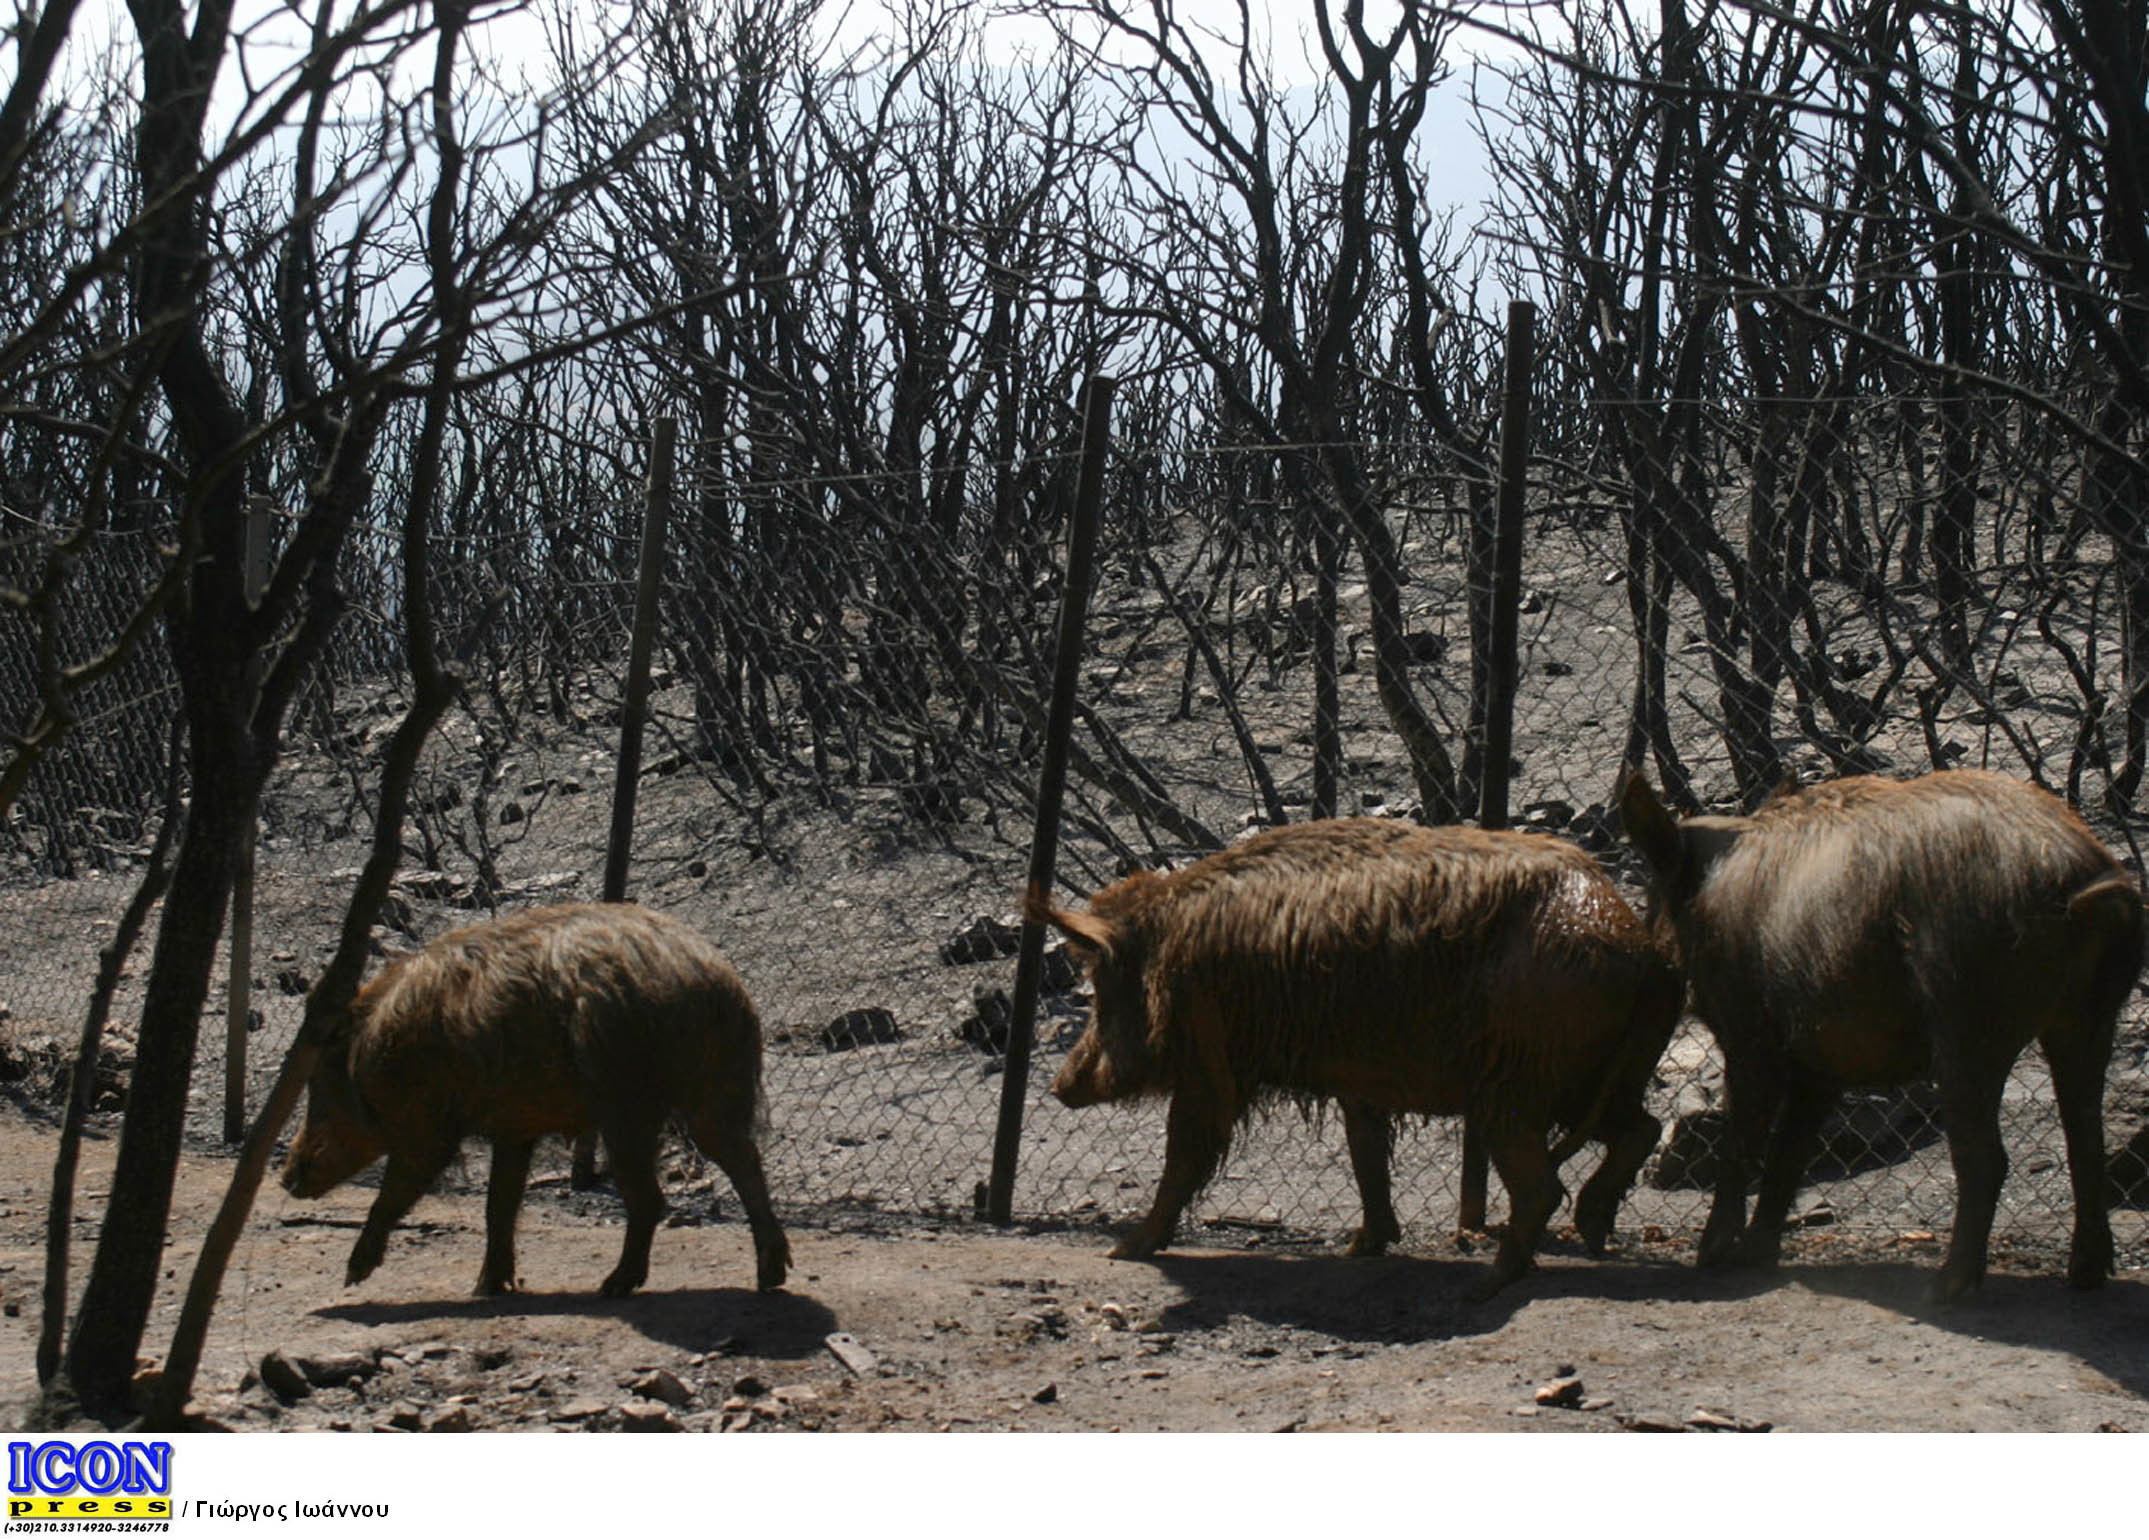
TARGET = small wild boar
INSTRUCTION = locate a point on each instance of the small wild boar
(1397, 969)
(553, 1021)
(1870, 932)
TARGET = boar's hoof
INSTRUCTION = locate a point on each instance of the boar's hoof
(769, 1271)
(488, 1286)
(621, 1284)
(1593, 1216)
(1720, 1247)
(2090, 1264)
(365, 1257)
(1135, 1248)
(1367, 1244)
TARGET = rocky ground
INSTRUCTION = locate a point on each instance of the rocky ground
(893, 1323)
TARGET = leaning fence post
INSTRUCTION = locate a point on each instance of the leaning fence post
(239, 989)
(1506, 663)
(640, 646)
(1051, 786)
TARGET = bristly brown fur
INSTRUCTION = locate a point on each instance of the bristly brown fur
(553, 1021)
(1395, 968)
(1867, 931)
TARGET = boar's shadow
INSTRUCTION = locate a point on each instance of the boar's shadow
(775, 1325)
(1402, 1298)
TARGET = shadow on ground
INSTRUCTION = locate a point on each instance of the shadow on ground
(1405, 1299)
(778, 1325)
(2106, 1329)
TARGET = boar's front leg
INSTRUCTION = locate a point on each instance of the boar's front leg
(1370, 1135)
(503, 1201)
(1196, 1134)
(403, 1182)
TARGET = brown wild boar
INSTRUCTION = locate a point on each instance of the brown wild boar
(1869, 932)
(553, 1021)
(1397, 969)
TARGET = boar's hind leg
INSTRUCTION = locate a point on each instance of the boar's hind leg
(1196, 1135)
(1371, 1136)
(1630, 1136)
(732, 1148)
(403, 1182)
(1970, 1111)
(633, 1151)
(503, 1201)
(1752, 1090)
(2078, 1062)
(1806, 1103)
(1517, 1147)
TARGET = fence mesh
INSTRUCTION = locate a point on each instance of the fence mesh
(847, 717)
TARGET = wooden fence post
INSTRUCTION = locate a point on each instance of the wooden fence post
(1052, 786)
(640, 647)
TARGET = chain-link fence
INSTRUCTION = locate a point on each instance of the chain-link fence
(848, 712)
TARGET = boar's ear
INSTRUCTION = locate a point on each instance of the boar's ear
(1088, 937)
(1650, 829)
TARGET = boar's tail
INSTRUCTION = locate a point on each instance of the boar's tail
(1085, 929)
(2111, 909)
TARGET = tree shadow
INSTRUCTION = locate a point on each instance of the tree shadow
(776, 1325)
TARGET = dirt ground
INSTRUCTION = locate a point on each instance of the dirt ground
(965, 1327)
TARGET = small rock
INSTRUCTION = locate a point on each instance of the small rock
(861, 1028)
(1651, 1422)
(647, 1417)
(405, 1416)
(1045, 1395)
(284, 1378)
(749, 1386)
(851, 1353)
(330, 1369)
(663, 1385)
(579, 1409)
(983, 939)
(1115, 1315)
(1566, 1392)
(454, 1419)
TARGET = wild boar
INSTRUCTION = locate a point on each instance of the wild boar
(1396, 969)
(553, 1021)
(1870, 932)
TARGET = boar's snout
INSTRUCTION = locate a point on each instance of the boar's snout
(318, 1162)
(1080, 1082)
(299, 1176)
